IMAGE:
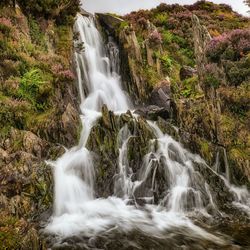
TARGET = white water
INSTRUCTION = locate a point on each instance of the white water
(76, 210)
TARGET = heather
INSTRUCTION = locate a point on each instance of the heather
(230, 51)
(168, 28)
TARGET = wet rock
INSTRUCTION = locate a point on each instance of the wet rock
(104, 142)
(152, 112)
(70, 124)
(219, 190)
(111, 22)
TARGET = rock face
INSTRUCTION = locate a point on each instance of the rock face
(201, 39)
(105, 141)
(127, 140)
(161, 95)
(212, 125)
(132, 52)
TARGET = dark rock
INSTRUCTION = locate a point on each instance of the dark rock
(187, 72)
(104, 142)
(152, 112)
(161, 95)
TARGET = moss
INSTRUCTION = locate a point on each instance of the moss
(9, 235)
(238, 153)
(64, 40)
(151, 75)
(123, 25)
(206, 151)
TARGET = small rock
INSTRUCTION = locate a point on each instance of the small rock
(152, 112)
(161, 95)
(187, 72)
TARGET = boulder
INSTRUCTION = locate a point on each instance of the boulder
(70, 124)
(33, 144)
(152, 112)
(161, 95)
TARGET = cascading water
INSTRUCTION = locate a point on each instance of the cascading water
(76, 209)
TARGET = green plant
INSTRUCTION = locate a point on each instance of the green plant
(160, 19)
(123, 25)
(212, 81)
(36, 34)
(189, 87)
(167, 63)
(167, 37)
(186, 93)
(34, 85)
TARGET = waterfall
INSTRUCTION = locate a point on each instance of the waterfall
(76, 209)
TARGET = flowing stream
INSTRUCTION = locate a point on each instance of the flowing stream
(76, 209)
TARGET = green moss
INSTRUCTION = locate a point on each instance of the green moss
(205, 149)
(151, 75)
(123, 25)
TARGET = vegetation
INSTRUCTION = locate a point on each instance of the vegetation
(231, 52)
(171, 29)
(62, 11)
(35, 73)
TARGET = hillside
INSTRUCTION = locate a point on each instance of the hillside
(186, 68)
(38, 114)
(201, 53)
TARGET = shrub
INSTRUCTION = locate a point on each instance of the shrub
(212, 81)
(5, 26)
(231, 46)
(213, 76)
(237, 72)
(36, 34)
(7, 3)
(62, 73)
(230, 51)
(63, 11)
(155, 37)
(160, 19)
